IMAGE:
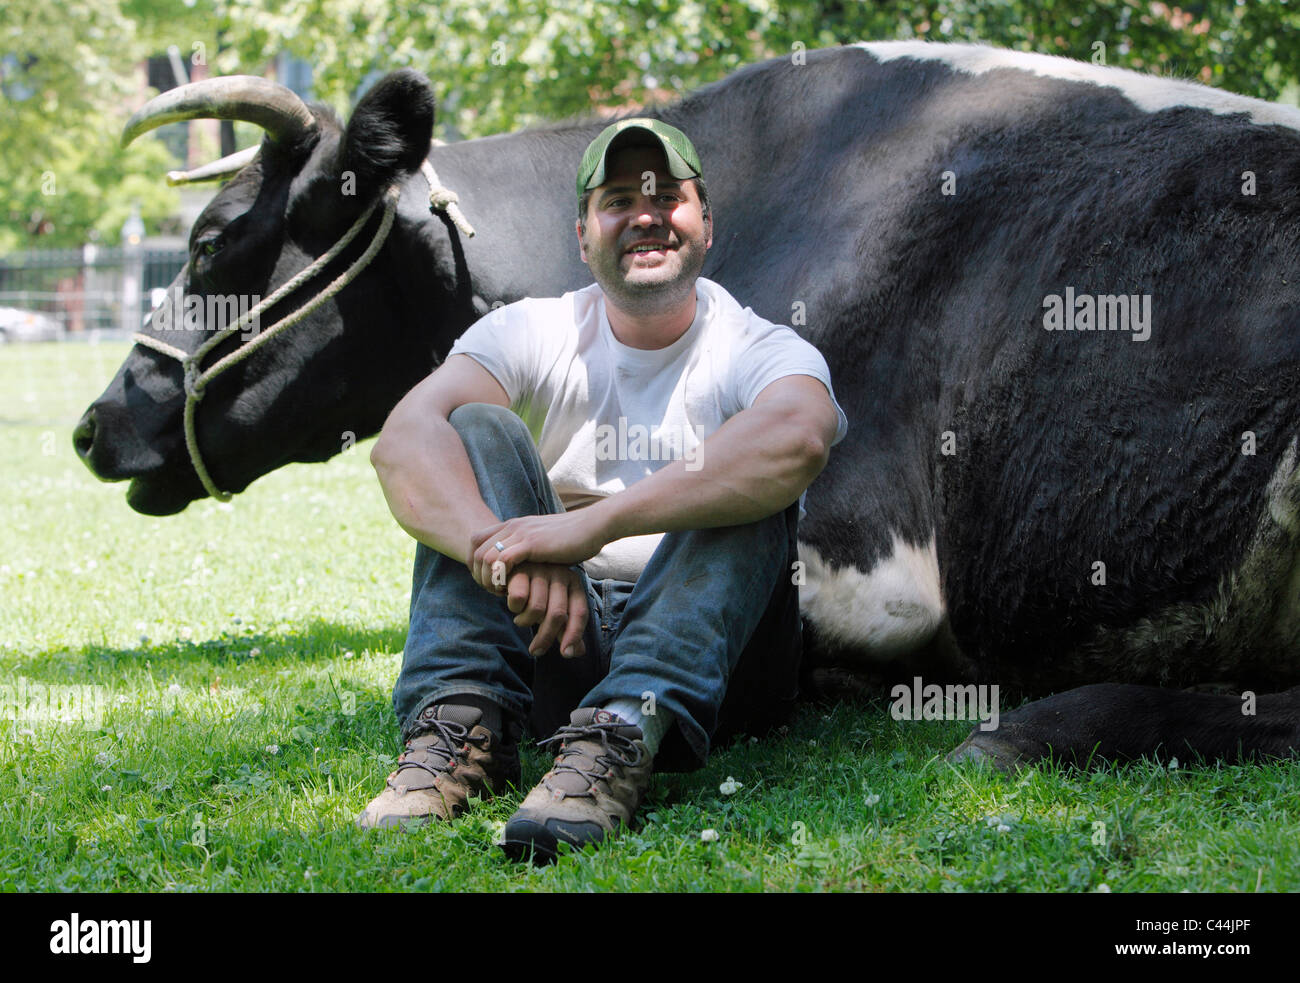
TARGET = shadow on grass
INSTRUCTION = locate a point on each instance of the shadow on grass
(315, 641)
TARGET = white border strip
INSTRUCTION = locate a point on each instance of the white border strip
(1148, 92)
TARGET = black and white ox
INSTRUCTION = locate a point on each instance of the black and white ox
(1060, 304)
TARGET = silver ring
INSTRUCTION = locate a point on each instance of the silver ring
(499, 546)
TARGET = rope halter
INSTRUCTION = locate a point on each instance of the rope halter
(197, 378)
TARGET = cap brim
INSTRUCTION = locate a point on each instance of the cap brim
(642, 135)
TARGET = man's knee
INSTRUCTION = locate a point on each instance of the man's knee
(776, 538)
(486, 422)
(474, 417)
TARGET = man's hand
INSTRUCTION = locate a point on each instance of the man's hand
(563, 539)
(553, 597)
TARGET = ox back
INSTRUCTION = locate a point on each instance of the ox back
(1075, 505)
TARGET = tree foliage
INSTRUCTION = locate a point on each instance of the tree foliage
(62, 70)
(512, 62)
(68, 82)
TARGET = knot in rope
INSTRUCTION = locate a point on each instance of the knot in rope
(445, 200)
(193, 379)
(442, 197)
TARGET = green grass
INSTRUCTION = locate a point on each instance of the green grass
(245, 656)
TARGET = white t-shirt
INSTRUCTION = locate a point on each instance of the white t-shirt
(604, 415)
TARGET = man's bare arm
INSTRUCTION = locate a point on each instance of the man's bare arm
(754, 465)
(421, 461)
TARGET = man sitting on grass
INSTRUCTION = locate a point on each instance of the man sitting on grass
(604, 487)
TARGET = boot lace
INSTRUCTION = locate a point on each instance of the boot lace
(617, 750)
(451, 740)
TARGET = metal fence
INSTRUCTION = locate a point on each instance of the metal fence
(90, 292)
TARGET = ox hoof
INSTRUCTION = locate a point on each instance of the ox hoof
(833, 684)
(989, 749)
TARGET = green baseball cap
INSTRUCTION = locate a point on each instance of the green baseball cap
(683, 161)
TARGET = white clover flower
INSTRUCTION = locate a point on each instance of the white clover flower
(499, 833)
(103, 758)
(254, 652)
(709, 835)
(27, 732)
(1003, 828)
(1173, 764)
(273, 749)
(106, 788)
(872, 799)
(175, 689)
(1103, 888)
(186, 631)
(730, 786)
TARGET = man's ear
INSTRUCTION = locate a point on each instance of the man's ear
(708, 231)
(582, 249)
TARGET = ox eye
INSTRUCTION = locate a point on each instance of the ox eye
(208, 246)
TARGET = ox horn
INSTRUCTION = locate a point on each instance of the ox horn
(226, 166)
(270, 105)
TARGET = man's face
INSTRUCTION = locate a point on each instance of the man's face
(645, 250)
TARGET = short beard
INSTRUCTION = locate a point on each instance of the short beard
(649, 299)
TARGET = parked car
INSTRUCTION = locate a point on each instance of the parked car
(20, 325)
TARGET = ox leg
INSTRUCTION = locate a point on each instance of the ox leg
(866, 630)
(834, 677)
(1118, 722)
(893, 608)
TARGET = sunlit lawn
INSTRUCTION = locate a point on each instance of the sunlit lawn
(243, 657)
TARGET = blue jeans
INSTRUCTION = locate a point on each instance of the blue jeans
(711, 628)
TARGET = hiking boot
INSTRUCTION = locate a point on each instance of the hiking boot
(600, 774)
(448, 758)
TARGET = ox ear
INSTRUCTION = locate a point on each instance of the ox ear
(390, 131)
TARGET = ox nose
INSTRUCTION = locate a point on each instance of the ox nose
(83, 438)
